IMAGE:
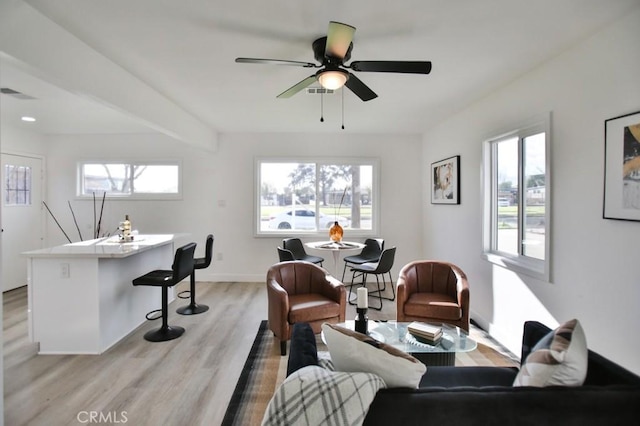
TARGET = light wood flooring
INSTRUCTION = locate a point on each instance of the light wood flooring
(187, 381)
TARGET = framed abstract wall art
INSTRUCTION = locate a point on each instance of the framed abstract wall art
(622, 167)
(445, 181)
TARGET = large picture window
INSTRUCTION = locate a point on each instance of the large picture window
(516, 199)
(309, 196)
(129, 180)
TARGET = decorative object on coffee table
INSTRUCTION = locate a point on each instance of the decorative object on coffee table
(454, 340)
(361, 318)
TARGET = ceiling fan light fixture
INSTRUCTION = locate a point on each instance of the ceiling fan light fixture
(333, 79)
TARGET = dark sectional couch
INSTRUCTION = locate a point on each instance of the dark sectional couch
(485, 395)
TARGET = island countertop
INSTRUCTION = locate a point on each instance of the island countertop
(81, 296)
(108, 247)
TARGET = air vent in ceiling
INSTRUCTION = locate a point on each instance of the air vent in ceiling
(15, 93)
(318, 91)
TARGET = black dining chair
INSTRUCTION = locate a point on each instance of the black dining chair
(198, 263)
(370, 253)
(285, 255)
(182, 267)
(295, 246)
(382, 267)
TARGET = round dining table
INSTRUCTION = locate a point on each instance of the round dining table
(336, 249)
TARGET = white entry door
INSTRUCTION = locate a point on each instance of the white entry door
(21, 215)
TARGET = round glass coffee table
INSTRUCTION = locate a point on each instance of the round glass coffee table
(454, 340)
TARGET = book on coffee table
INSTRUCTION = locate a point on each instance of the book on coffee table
(426, 333)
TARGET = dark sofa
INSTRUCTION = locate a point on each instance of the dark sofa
(485, 395)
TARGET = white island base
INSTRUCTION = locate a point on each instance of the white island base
(81, 296)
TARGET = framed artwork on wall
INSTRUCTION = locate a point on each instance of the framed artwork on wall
(622, 167)
(445, 181)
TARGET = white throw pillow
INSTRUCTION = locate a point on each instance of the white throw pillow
(352, 351)
(560, 358)
(314, 396)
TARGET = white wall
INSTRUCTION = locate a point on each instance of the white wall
(193, 214)
(594, 275)
(20, 141)
(14, 140)
(226, 177)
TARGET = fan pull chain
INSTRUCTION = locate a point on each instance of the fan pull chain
(322, 107)
(342, 90)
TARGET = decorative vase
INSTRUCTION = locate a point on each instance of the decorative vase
(336, 232)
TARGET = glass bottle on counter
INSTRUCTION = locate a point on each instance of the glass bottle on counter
(126, 229)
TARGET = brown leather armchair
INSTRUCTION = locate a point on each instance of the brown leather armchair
(300, 291)
(433, 291)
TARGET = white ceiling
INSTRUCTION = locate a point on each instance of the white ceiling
(186, 49)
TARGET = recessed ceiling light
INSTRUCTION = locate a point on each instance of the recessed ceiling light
(29, 119)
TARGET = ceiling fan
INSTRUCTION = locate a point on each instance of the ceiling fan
(332, 52)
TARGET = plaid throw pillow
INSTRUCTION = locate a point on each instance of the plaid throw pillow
(559, 358)
(316, 396)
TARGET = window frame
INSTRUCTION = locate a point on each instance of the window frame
(537, 268)
(27, 192)
(134, 195)
(319, 161)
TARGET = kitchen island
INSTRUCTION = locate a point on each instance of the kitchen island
(81, 299)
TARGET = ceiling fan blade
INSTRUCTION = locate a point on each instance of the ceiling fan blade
(410, 67)
(359, 88)
(276, 62)
(298, 87)
(339, 37)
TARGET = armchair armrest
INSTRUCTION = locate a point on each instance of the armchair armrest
(462, 285)
(278, 307)
(402, 291)
(334, 290)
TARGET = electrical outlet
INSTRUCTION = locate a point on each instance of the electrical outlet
(65, 270)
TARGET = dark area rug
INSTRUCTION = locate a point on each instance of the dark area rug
(265, 369)
(262, 372)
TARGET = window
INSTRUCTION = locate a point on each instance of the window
(516, 199)
(130, 180)
(309, 196)
(17, 185)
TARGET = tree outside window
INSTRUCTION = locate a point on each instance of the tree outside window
(319, 193)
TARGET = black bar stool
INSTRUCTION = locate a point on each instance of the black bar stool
(182, 267)
(198, 263)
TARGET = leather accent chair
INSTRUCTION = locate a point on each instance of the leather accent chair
(433, 291)
(300, 291)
